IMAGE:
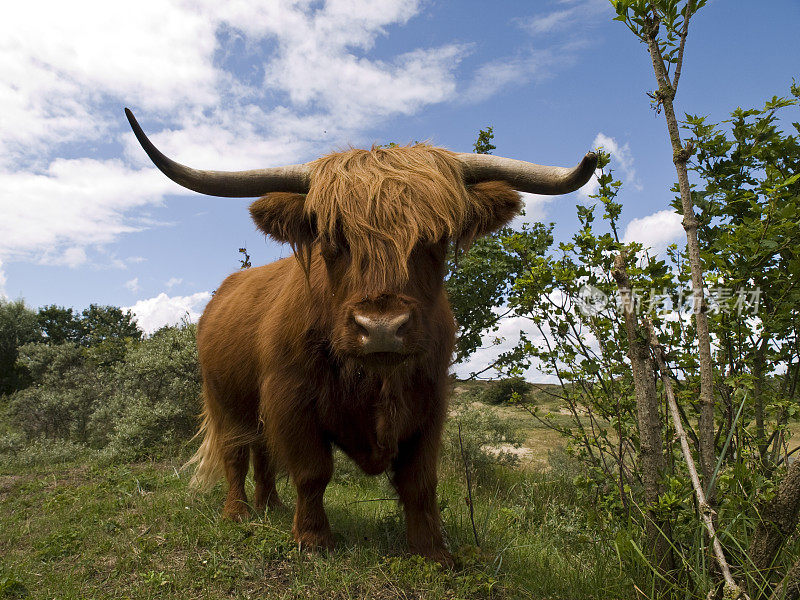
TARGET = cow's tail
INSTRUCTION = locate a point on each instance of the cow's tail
(208, 460)
(221, 435)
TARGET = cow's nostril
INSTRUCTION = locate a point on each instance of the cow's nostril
(381, 333)
(401, 324)
(401, 331)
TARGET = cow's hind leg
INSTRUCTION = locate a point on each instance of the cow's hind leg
(236, 460)
(266, 496)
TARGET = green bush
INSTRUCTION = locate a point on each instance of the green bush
(18, 326)
(486, 439)
(46, 364)
(45, 452)
(503, 390)
(147, 430)
(156, 404)
(144, 402)
(66, 390)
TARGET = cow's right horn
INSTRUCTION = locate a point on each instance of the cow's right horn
(229, 184)
(528, 177)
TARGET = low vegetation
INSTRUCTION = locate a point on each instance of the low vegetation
(87, 517)
(95, 502)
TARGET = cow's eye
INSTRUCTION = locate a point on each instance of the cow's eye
(332, 249)
(326, 249)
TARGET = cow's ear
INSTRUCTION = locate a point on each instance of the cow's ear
(281, 216)
(496, 203)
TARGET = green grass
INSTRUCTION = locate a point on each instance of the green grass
(135, 531)
(73, 526)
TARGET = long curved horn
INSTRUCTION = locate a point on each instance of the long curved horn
(527, 177)
(229, 184)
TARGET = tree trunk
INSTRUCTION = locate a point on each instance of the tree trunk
(680, 156)
(651, 453)
(731, 589)
(758, 397)
(778, 521)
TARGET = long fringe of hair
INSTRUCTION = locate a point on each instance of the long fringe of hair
(386, 200)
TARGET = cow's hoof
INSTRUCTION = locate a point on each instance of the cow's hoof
(236, 511)
(439, 555)
(271, 503)
(314, 540)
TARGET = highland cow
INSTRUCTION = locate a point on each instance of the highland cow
(349, 341)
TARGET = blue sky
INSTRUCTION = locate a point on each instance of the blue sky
(85, 218)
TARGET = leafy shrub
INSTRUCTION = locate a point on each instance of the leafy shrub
(487, 440)
(49, 452)
(156, 401)
(503, 390)
(146, 429)
(47, 365)
(18, 326)
(52, 414)
(65, 392)
(11, 443)
(136, 406)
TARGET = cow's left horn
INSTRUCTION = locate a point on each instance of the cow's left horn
(527, 177)
(230, 184)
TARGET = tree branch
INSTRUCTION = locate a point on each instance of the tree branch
(679, 62)
(789, 588)
(733, 590)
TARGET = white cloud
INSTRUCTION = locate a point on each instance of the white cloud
(161, 310)
(173, 281)
(2, 282)
(71, 257)
(539, 61)
(581, 14)
(495, 75)
(551, 21)
(497, 342)
(534, 206)
(133, 284)
(655, 231)
(64, 64)
(621, 153)
(52, 217)
(316, 67)
(621, 158)
(61, 58)
(68, 69)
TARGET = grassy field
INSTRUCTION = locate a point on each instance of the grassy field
(76, 528)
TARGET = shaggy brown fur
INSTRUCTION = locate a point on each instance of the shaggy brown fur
(284, 374)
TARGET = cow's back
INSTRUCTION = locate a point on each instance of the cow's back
(228, 332)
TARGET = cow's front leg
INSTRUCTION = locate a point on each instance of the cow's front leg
(415, 480)
(311, 528)
(300, 444)
(310, 463)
